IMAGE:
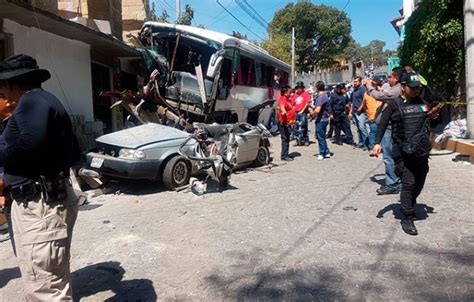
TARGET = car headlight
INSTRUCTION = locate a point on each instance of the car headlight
(139, 154)
(128, 153)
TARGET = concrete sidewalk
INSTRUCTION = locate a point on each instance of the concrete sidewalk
(304, 230)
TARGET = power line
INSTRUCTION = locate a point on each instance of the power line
(252, 13)
(221, 16)
(240, 22)
(256, 13)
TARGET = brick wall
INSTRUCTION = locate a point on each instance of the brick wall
(134, 13)
(109, 10)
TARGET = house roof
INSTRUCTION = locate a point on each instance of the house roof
(28, 15)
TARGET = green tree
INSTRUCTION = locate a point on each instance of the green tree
(186, 17)
(434, 44)
(279, 46)
(372, 53)
(322, 32)
(162, 18)
(239, 35)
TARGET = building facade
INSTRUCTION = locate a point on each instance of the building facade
(83, 59)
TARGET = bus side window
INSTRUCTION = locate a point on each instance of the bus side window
(259, 77)
(225, 80)
(269, 74)
(246, 73)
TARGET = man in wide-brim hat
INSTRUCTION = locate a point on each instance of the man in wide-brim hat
(39, 149)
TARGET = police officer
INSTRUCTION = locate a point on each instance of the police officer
(40, 148)
(338, 105)
(409, 116)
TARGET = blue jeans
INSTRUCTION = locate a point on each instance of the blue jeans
(372, 134)
(360, 120)
(391, 179)
(303, 121)
(321, 137)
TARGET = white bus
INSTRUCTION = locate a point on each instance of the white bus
(211, 76)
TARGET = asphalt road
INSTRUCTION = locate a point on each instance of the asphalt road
(305, 230)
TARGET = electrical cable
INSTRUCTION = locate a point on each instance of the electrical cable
(241, 23)
(252, 15)
(256, 13)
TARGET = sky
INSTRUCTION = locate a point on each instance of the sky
(370, 18)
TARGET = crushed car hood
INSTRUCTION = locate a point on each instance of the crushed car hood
(135, 137)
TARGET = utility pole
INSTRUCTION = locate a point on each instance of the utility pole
(178, 9)
(469, 43)
(292, 57)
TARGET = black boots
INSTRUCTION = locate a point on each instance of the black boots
(408, 226)
(386, 190)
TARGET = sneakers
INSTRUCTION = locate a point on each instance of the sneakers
(408, 226)
(287, 158)
(386, 190)
(327, 155)
(320, 157)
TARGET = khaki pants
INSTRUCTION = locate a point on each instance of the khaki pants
(43, 234)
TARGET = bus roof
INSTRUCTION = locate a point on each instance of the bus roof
(224, 40)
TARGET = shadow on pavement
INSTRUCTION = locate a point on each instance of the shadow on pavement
(421, 211)
(108, 276)
(421, 273)
(295, 154)
(8, 274)
(322, 284)
(134, 187)
(378, 179)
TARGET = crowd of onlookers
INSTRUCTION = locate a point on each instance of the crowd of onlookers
(333, 108)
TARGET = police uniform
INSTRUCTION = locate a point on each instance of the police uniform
(40, 149)
(337, 107)
(410, 133)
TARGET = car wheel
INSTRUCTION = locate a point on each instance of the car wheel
(176, 173)
(263, 156)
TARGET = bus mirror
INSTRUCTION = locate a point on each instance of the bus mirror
(218, 54)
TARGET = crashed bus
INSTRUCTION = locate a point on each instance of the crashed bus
(212, 77)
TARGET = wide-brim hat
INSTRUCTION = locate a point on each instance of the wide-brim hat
(21, 68)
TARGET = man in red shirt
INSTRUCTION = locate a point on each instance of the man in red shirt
(301, 100)
(286, 118)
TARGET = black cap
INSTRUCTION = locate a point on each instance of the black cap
(341, 85)
(299, 84)
(22, 67)
(411, 79)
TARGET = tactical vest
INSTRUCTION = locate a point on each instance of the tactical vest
(338, 104)
(412, 133)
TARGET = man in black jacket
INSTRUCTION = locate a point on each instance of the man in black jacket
(338, 104)
(40, 148)
(409, 117)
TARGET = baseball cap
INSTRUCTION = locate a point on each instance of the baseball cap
(411, 79)
(299, 84)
